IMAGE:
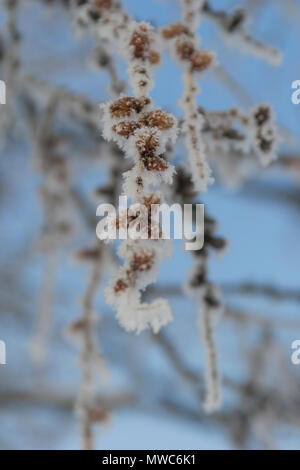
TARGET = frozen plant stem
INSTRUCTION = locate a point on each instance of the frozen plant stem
(52, 165)
(143, 132)
(212, 378)
(232, 27)
(193, 124)
(91, 363)
(86, 385)
(205, 294)
(195, 60)
(44, 318)
(184, 45)
(70, 141)
(88, 410)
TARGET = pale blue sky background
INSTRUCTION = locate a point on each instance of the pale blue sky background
(263, 234)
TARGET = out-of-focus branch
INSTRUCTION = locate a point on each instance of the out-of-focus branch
(290, 163)
(176, 360)
(265, 290)
(232, 26)
(247, 317)
(191, 377)
(49, 397)
(249, 288)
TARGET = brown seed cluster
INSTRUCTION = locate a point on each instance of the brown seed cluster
(173, 30)
(126, 128)
(103, 3)
(120, 286)
(265, 132)
(262, 114)
(185, 48)
(154, 163)
(140, 262)
(147, 144)
(141, 44)
(159, 119)
(123, 107)
(201, 60)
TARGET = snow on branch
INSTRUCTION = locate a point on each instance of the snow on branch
(184, 45)
(210, 308)
(142, 132)
(232, 27)
(236, 140)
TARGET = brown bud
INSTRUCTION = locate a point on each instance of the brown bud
(154, 57)
(88, 254)
(262, 115)
(120, 286)
(140, 44)
(147, 144)
(154, 163)
(125, 129)
(142, 262)
(160, 119)
(176, 29)
(103, 3)
(125, 106)
(201, 60)
(184, 49)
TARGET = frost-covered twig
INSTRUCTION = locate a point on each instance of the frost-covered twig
(234, 130)
(265, 290)
(232, 27)
(205, 293)
(213, 397)
(10, 63)
(88, 14)
(40, 337)
(91, 362)
(143, 132)
(234, 138)
(57, 212)
(184, 44)
(210, 308)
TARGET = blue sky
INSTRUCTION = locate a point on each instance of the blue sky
(264, 242)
